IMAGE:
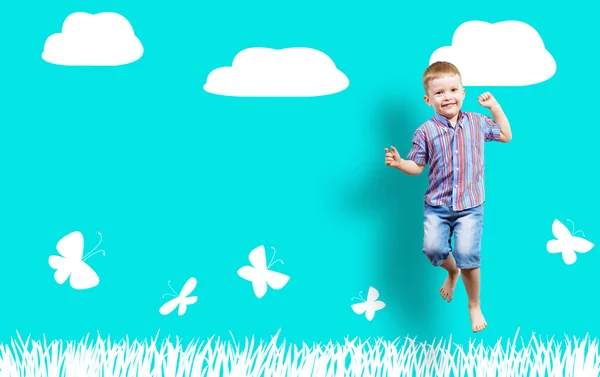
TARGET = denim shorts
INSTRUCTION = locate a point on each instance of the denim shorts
(467, 226)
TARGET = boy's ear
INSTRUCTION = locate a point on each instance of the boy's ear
(426, 99)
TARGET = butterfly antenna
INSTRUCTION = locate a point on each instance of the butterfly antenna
(169, 283)
(360, 295)
(90, 253)
(573, 232)
(573, 225)
(271, 262)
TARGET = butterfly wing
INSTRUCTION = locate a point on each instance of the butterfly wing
(581, 245)
(83, 276)
(71, 249)
(554, 246)
(276, 280)
(169, 306)
(372, 307)
(562, 243)
(258, 258)
(560, 231)
(188, 287)
(567, 243)
(575, 244)
(183, 304)
(71, 246)
(569, 256)
(359, 308)
(247, 273)
(259, 284)
(62, 268)
(254, 274)
(373, 295)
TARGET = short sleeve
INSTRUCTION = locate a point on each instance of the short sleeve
(419, 152)
(490, 127)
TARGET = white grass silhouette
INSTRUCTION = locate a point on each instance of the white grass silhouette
(370, 358)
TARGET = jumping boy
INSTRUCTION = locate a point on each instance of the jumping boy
(452, 143)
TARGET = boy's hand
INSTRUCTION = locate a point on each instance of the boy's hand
(392, 158)
(487, 100)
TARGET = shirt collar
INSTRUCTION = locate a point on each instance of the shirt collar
(442, 119)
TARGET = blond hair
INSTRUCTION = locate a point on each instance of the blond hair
(439, 69)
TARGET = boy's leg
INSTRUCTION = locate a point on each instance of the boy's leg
(468, 228)
(471, 279)
(437, 246)
(447, 289)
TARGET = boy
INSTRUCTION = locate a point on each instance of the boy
(452, 142)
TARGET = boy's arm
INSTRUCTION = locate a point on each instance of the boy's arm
(502, 120)
(410, 167)
(418, 156)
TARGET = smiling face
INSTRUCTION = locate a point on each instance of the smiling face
(445, 95)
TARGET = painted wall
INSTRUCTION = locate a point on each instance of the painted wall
(181, 182)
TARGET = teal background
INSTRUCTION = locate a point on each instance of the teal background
(183, 183)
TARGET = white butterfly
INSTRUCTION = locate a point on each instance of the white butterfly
(370, 306)
(72, 262)
(180, 300)
(259, 273)
(567, 243)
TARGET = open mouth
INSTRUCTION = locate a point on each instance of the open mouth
(448, 105)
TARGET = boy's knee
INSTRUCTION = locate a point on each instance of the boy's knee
(467, 258)
(467, 248)
(436, 254)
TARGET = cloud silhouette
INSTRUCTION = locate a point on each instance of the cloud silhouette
(103, 39)
(267, 72)
(507, 53)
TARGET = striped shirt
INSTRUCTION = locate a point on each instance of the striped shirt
(455, 157)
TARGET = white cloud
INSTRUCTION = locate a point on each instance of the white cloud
(267, 72)
(103, 39)
(508, 53)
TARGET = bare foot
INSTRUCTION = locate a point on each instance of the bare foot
(447, 289)
(478, 323)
